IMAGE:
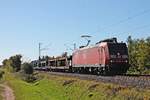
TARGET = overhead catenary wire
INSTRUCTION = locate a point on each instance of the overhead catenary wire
(133, 30)
(139, 28)
(125, 20)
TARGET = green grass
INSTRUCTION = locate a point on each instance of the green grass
(64, 88)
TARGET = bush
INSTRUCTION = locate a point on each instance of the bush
(27, 68)
(16, 62)
(27, 73)
(29, 78)
(1, 74)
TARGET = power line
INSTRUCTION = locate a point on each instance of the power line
(126, 19)
(139, 28)
(70, 48)
(135, 29)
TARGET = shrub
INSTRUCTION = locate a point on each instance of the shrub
(27, 73)
(29, 78)
(27, 68)
(1, 74)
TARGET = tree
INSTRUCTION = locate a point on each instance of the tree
(132, 53)
(16, 62)
(5, 62)
(139, 54)
(13, 64)
(148, 53)
(142, 55)
(27, 68)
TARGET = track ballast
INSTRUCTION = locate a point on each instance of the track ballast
(137, 81)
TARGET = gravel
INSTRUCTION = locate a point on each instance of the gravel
(137, 81)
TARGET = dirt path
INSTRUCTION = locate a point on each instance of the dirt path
(8, 92)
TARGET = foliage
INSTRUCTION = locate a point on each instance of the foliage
(139, 55)
(1, 74)
(27, 68)
(26, 73)
(5, 62)
(16, 62)
(13, 64)
(7, 65)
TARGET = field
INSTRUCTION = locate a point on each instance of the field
(52, 87)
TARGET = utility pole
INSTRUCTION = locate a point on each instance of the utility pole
(41, 49)
(39, 55)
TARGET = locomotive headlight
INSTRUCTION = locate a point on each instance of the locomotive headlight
(111, 61)
(126, 61)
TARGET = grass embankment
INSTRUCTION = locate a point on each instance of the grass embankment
(65, 88)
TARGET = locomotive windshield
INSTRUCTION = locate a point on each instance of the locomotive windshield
(115, 48)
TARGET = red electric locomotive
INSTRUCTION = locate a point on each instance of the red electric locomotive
(106, 57)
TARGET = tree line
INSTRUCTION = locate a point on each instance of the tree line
(139, 55)
(14, 64)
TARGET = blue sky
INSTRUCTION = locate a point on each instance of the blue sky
(25, 23)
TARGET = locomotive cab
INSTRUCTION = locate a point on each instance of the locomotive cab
(118, 57)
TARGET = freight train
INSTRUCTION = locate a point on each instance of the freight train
(105, 57)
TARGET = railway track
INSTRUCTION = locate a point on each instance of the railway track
(137, 81)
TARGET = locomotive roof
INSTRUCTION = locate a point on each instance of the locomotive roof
(98, 45)
(110, 40)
